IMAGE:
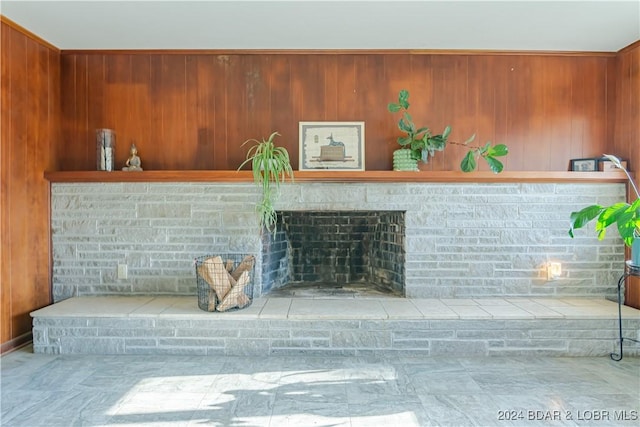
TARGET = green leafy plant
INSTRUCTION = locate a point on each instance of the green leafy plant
(424, 144)
(271, 166)
(625, 216)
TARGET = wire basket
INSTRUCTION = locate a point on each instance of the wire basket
(225, 282)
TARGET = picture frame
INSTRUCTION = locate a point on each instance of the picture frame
(584, 165)
(331, 146)
(606, 165)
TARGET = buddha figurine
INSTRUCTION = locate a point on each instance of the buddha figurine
(133, 162)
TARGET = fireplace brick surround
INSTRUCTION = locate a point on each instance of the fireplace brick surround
(474, 278)
(463, 240)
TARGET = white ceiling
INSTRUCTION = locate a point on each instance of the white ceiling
(604, 25)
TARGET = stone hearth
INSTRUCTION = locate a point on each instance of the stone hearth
(391, 327)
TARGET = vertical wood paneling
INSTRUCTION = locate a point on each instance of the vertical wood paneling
(19, 204)
(371, 96)
(627, 120)
(222, 73)
(557, 122)
(73, 152)
(6, 155)
(497, 110)
(590, 102)
(236, 109)
(155, 130)
(398, 75)
(201, 109)
(331, 98)
(193, 111)
(96, 105)
(282, 107)
(541, 119)
(173, 148)
(626, 130)
(30, 123)
(258, 105)
(117, 103)
(489, 100)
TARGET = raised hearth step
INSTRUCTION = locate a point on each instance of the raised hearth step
(324, 326)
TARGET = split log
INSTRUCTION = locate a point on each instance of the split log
(236, 296)
(215, 274)
(245, 265)
(212, 300)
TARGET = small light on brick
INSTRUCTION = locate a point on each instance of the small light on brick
(554, 270)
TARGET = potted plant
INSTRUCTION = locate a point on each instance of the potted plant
(270, 165)
(419, 143)
(625, 216)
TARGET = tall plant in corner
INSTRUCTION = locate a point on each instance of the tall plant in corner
(270, 165)
(625, 216)
(424, 144)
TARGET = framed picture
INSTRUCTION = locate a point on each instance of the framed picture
(584, 165)
(332, 146)
(606, 165)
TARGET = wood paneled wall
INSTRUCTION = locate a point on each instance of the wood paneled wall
(29, 131)
(193, 110)
(627, 128)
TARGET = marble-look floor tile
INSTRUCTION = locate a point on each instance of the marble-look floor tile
(273, 391)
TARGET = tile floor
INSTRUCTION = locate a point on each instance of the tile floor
(56, 390)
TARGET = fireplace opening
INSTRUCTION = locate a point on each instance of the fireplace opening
(335, 253)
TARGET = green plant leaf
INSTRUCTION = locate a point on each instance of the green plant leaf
(494, 164)
(437, 142)
(423, 129)
(405, 125)
(611, 215)
(404, 140)
(393, 108)
(628, 222)
(468, 163)
(417, 144)
(447, 131)
(403, 98)
(499, 150)
(470, 139)
(580, 218)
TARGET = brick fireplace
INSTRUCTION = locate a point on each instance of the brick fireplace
(462, 240)
(336, 248)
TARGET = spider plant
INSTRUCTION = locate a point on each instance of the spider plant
(270, 165)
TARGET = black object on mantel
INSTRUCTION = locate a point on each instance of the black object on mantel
(630, 270)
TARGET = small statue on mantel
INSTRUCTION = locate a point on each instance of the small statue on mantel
(133, 162)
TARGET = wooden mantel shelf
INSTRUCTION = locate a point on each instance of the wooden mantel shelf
(336, 176)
